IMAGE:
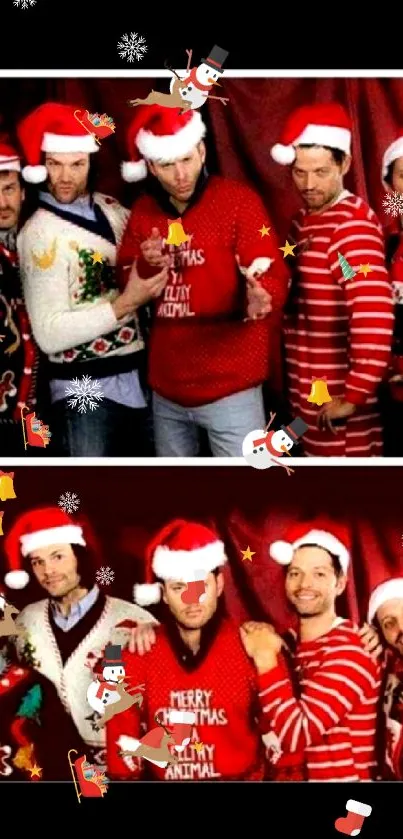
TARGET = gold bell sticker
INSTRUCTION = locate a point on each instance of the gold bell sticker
(176, 233)
(319, 393)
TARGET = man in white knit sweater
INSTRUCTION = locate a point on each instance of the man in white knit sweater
(67, 252)
(68, 630)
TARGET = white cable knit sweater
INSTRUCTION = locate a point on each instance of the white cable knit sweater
(69, 323)
(72, 679)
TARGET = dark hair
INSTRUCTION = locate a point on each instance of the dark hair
(85, 565)
(336, 564)
(389, 174)
(338, 155)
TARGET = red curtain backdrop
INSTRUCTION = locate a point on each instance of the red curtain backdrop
(241, 133)
(127, 505)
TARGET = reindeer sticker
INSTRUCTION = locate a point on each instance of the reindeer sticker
(8, 625)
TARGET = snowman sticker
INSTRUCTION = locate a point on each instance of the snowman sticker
(200, 81)
(103, 691)
(262, 447)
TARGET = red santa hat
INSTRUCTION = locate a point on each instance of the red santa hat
(9, 158)
(37, 529)
(392, 153)
(160, 134)
(325, 534)
(389, 590)
(317, 125)
(51, 128)
(184, 551)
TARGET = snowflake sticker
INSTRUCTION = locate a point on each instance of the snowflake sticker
(85, 394)
(69, 502)
(24, 4)
(105, 576)
(393, 204)
(132, 46)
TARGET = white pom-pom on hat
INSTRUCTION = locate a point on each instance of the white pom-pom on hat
(147, 594)
(16, 579)
(285, 155)
(281, 552)
(133, 171)
(34, 174)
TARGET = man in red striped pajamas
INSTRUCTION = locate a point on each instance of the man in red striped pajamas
(325, 723)
(335, 327)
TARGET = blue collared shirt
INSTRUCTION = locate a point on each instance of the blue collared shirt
(77, 611)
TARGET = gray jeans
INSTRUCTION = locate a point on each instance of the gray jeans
(226, 422)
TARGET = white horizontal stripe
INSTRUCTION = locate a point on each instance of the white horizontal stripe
(331, 747)
(357, 749)
(366, 765)
(318, 366)
(305, 348)
(363, 346)
(378, 315)
(379, 283)
(342, 780)
(374, 362)
(310, 319)
(359, 223)
(317, 286)
(363, 330)
(371, 299)
(329, 764)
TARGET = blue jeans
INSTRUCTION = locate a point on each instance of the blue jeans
(227, 422)
(111, 430)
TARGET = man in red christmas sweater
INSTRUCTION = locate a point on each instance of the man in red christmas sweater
(325, 722)
(17, 351)
(197, 673)
(212, 332)
(336, 327)
(385, 611)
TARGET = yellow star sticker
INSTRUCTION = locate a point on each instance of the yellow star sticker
(264, 231)
(97, 257)
(36, 771)
(198, 746)
(288, 249)
(248, 554)
(364, 269)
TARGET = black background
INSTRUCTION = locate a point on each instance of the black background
(213, 810)
(83, 34)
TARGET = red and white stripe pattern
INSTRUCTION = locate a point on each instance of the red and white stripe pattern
(339, 329)
(333, 722)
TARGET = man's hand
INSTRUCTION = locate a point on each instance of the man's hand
(336, 409)
(151, 250)
(262, 644)
(259, 300)
(371, 641)
(138, 291)
(142, 638)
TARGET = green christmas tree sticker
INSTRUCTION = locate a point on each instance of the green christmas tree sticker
(31, 704)
(348, 271)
